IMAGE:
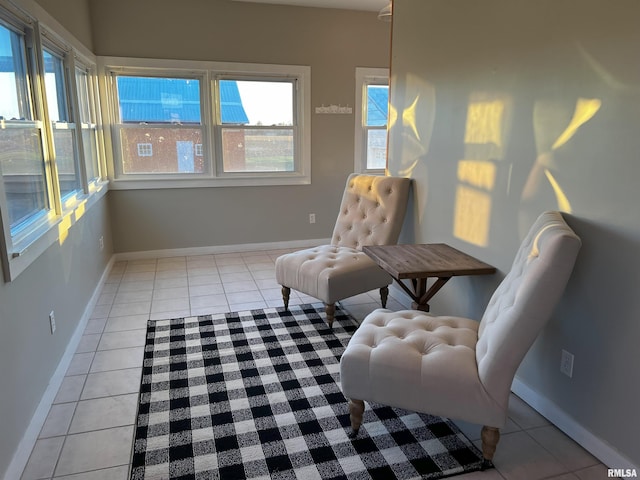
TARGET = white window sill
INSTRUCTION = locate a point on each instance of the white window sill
(53, 230)
(201, 182)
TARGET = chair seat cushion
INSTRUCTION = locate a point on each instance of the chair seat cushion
(330, 272)
(412, 360)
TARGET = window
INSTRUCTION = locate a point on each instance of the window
(158, 115)
(45, 166)
(257, 125)
(22, 163)
(145, 150)
(87, 106)
(207, 123)
(64, 130)
(371, 120)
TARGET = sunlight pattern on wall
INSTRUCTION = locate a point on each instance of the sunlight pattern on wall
(484, 146)
(413, 124)
(550, 116)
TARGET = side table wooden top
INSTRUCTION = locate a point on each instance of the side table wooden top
(426, 260)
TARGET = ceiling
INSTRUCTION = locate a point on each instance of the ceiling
(369, 5)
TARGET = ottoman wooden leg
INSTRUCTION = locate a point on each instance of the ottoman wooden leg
(330, 311)
(490, 437)
(356, 410)
(286, 292)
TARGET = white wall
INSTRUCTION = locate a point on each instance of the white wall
(507, 109)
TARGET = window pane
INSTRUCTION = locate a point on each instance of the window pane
(55, 87)
(87, 125)
(90, 147)
(161, 150)
(65, 144)
(376, 149)
(64, 141)
(23, 174)
(14, 102)
(377, 105)
(82, 84)
(258, 150)
(256, 102)
(158, 100)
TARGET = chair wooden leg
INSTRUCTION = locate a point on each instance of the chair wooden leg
(286, 292)
(384, 294)
(490, 437)
(356, 410)
(330, 311)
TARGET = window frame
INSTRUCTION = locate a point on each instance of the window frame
(62, 53)
(364, 77)
(117, 128)
(86, 67)
(210, 72)
(221, 126)
(17, 240)
(20, 247)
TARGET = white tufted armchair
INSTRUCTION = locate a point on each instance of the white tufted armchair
(371, 213)
(456, 367)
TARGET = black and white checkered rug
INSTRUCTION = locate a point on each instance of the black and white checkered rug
(257, 395)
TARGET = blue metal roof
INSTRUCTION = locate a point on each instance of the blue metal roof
(149, 99)
(6, 64)
(377, 105)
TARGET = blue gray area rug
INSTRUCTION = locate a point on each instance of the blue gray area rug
(256, 395)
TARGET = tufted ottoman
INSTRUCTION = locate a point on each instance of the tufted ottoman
(415, 361)
(371, 213)
(331, 273)
(406, 359)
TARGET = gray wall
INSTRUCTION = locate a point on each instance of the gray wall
(63, 279)
(74, 16)
(332, 42)
(541, 100)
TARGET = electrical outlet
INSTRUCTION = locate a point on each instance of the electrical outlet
(101, 242)
(312, 218)
(566, 363)
(52, 322)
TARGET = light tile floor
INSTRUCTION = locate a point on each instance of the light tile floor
(88, 433)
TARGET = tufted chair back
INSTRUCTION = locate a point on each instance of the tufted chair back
(524, 301)
(371, 212)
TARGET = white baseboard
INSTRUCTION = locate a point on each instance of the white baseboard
(246, 247)
(599, 448)
(25, 447)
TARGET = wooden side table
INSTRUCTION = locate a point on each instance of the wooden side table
(420, 262)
